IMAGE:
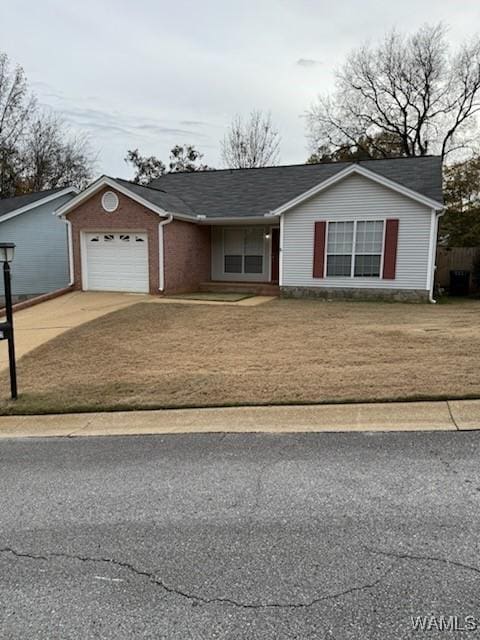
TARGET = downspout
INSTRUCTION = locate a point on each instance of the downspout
(70, 252)
(280, 252)
(161, 253)
(438, 215)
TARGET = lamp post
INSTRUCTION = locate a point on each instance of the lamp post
(7, 250)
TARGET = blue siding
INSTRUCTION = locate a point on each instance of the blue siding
(41, 254)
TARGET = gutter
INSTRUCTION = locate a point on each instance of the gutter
(438, 215)
(161, 252)
(211, 221)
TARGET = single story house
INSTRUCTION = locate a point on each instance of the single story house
(364, 229)
(41, 257)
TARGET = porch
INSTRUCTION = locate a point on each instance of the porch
(244, 259)
(257, 288)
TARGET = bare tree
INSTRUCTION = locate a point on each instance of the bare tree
(409, 87)
(381, 145)
(16, 108)
(36, 149)
(53, 157)
(251, 143)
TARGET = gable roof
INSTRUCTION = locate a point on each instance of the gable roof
(10, 207)
(232, 194)
(156, 200)
(247, 193)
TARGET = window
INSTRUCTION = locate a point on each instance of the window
(110, 201)
(339, 248)
(253, 260)
(253, 264)
(233, 250)
(243, 250)
(354, 249)
(108, 238)
(368, 249)
(233, 264)
(124, 238)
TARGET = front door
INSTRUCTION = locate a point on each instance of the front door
(275, 253)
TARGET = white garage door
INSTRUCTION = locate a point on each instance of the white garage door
(116, 261)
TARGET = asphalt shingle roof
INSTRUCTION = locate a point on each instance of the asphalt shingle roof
(7, 205)
(159, 197)
(255, 192)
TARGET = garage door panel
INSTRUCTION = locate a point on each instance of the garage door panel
(116, 261)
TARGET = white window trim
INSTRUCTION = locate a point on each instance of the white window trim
(353, 254)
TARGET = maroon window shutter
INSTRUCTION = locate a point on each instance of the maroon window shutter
(390, 249)
(319, 249)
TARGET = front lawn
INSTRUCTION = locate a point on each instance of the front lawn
(285, 351)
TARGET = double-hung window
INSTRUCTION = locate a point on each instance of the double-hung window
(368, 248)
(243, 249)
(354, 249)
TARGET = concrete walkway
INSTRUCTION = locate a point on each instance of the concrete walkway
(455, 415)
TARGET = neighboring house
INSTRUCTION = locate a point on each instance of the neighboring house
(365, 229)
(41, 258)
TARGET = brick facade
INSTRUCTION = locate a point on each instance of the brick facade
(187, 256)
(186, 245)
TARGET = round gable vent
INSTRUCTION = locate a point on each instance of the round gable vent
(109, 201)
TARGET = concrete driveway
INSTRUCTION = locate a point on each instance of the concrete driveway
(38, 324)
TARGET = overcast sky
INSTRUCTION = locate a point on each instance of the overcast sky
(152, 73)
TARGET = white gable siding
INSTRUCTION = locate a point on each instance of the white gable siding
(358, 198)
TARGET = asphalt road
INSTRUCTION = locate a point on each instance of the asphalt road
(311, 536)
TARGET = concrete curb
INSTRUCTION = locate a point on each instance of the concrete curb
(453, 415)
(44, 297)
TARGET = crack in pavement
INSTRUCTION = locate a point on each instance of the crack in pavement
(420, 558)
(452, 417)
(72, 434)
(202, 599)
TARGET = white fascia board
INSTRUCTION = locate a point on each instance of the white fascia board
(236, 220)
(358, 169)
(38, 203)
(105, 181)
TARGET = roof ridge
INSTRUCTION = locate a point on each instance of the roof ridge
(146, 186)
(301, 164)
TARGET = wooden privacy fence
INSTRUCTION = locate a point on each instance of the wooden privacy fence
(453, 259)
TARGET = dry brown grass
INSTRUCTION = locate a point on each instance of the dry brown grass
(286, 351)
